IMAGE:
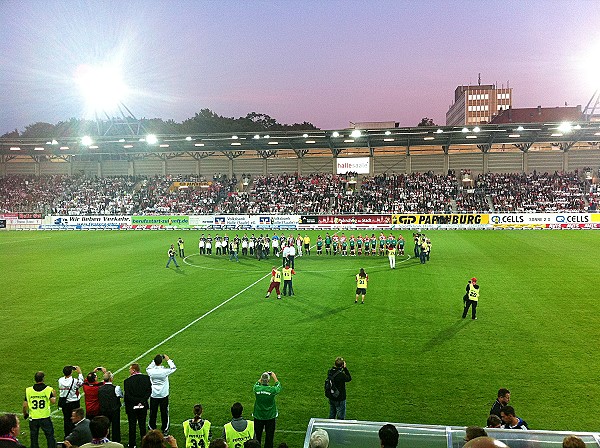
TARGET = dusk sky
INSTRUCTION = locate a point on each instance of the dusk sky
(326, 62)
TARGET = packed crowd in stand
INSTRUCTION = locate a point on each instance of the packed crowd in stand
(298, 194)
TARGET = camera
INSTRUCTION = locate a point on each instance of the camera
(163, 356)
(98, 369)
(270, 373)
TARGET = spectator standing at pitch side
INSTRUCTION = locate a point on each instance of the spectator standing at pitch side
(472, 299)
(340, 375)
(68, 389)
(90, 388)
(573, 442)
(110, 396)
(180, 247)
(265, 410)
(138, 389)
(36, 408)
(159, 377)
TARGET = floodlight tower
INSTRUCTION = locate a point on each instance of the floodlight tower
(124, 123)
(104, 90)
(592, 109)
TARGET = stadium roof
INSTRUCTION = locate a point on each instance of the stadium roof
(443, 138)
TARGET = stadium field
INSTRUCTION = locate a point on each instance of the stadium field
(105, 298)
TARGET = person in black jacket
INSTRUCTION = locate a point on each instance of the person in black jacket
(137, 390)
(340, 376)
(110, 396)
(9, 430)
(81, 433)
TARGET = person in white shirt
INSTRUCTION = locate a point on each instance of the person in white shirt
(159, 377)
(291, 256)
(68, 387)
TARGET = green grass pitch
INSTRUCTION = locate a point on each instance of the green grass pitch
(105, 298)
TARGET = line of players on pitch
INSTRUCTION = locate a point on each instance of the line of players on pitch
(263, 246)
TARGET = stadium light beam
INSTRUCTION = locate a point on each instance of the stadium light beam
(102, 87)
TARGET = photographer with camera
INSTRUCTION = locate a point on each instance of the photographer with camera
(90, 388)
(339, 375)
(68, 400)
(265, 409)
(159, 377)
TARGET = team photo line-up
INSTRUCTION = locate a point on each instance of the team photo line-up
(290, 247)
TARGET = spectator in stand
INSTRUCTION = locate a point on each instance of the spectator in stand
(573, 442)
(472, 432)
(81, 433)
(99, 426)
(494, 421)
(156, 439)
(319, 439)
(388, 436)
(10, 429)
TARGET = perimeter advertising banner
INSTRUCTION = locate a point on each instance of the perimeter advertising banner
(451, 219)
(540, 218)
(79, 222)
(244, 221)
(345, 221)
(178, 221)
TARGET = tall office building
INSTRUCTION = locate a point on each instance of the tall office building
(477, 104)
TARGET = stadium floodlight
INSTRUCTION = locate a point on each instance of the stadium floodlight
(256, 137)
(439, 131)
(335, 134)
(305, 135)
(465, 130)
(267, 136)
(188, 138)
(234, 137)
(520, 128)
(388, 132)
(102, 86)
(151, 139)
(565, 127)
(355, 133)
(86, 140)
(476, 129)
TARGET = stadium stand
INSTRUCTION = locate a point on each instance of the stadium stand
(318, 193)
